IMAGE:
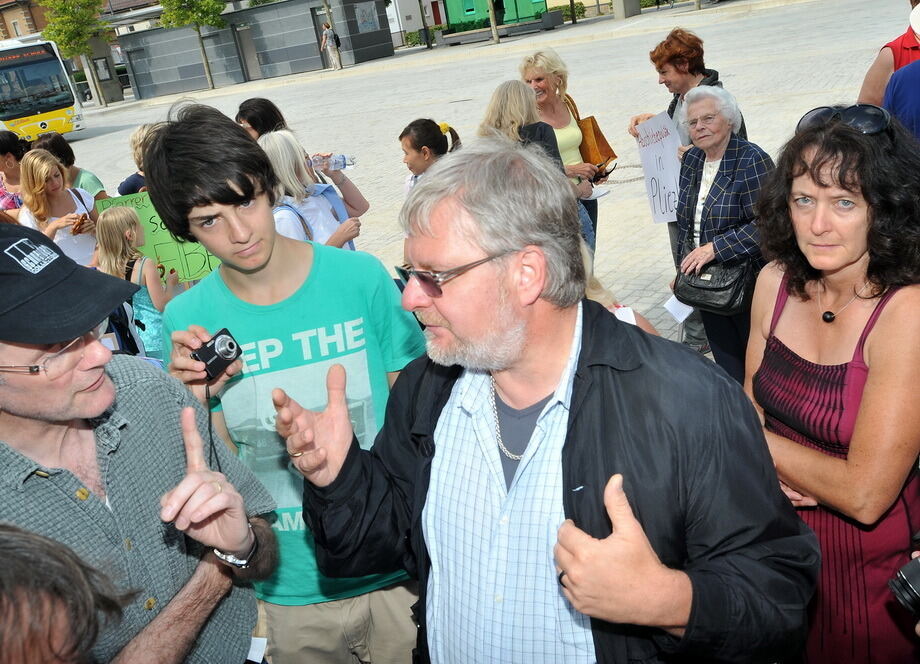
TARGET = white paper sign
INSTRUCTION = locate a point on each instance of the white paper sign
(658, 142)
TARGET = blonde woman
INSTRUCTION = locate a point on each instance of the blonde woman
(303, 209)
(546, 74)
(119, 233)
(65, 215)
(134, 183)
(512, 113)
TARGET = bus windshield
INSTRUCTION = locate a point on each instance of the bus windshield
(32, 81)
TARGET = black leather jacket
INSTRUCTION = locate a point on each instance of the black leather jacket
(696, 470)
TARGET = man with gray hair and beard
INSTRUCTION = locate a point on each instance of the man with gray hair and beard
(565, 487)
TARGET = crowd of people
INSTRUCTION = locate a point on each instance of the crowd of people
(491, 458)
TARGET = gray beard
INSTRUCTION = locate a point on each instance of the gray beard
(497, 351)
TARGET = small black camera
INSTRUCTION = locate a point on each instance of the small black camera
(906, 583)
(218, 353)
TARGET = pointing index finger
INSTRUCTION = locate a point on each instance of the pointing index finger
(194, 445)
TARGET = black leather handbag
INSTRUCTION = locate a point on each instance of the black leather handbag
(719, 288)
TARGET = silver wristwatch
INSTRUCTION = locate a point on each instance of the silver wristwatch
(240, 563)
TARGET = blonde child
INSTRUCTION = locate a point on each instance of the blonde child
(119, 233)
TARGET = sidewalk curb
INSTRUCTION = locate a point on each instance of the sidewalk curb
(647, 22)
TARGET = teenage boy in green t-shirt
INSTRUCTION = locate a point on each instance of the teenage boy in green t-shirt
(294, 308)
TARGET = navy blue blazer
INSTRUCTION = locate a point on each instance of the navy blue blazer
(728, 220)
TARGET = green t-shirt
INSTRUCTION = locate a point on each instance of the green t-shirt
(347, 311)
(88, 181)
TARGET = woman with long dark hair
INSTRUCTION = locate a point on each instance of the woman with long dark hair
(832, 366)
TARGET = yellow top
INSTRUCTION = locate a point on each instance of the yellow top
(569, 139)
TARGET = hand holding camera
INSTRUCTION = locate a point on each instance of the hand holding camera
(200, 360)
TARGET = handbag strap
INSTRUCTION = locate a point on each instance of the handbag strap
(572, 107)
(303, 222)
(76, 194)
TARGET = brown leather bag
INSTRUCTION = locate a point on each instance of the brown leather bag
(594, 147)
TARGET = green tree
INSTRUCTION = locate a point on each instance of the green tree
(71, 24)
(195, 14)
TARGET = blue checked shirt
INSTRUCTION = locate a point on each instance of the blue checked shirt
(729, 218)
(492, 591)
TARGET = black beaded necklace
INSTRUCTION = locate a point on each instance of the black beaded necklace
(831, 316)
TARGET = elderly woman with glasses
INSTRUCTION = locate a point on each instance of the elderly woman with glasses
(833, 360)
(720, 181)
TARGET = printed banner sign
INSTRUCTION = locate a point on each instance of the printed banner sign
(658, 142)
(191, 260)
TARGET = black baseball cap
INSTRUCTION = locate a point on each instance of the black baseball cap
(46, 297)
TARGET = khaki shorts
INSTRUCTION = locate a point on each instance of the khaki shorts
(374, 628)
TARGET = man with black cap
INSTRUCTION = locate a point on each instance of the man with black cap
(91, 455)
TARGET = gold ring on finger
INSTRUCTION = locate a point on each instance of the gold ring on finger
(294, 455)
(217, 486)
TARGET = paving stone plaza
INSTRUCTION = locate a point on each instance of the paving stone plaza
(780, 58)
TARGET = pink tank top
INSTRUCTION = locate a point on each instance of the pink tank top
(818, 401)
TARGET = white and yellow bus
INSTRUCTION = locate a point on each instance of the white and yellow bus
(36, 94)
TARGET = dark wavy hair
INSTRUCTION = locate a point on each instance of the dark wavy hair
(261, 114)
(884, 168)
(57, 145)
(200, 157)
(12, 144)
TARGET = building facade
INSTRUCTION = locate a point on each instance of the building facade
(19, 18)
(271, 40)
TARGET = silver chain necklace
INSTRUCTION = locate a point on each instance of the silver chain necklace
(831, 316)
(498, 429)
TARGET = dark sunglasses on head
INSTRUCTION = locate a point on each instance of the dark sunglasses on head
(431, 282)
(867, 119)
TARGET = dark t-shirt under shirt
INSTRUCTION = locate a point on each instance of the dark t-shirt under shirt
(516, 429)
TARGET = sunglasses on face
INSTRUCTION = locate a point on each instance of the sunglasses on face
(431, 282)
(867, 119)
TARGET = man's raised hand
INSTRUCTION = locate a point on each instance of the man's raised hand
(316, 442)
(205, 505)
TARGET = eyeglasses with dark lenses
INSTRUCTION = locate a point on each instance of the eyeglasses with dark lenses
(867, 119)
(431, 282)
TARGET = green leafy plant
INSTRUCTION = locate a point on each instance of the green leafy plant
(72, 24)
(464, 26)
(195, 14)
(579, 11)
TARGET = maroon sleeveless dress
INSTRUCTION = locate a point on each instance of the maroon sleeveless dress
(853, 618)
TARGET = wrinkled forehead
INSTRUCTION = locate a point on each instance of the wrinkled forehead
(446, 229)
(703, 106)
(446, 218)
